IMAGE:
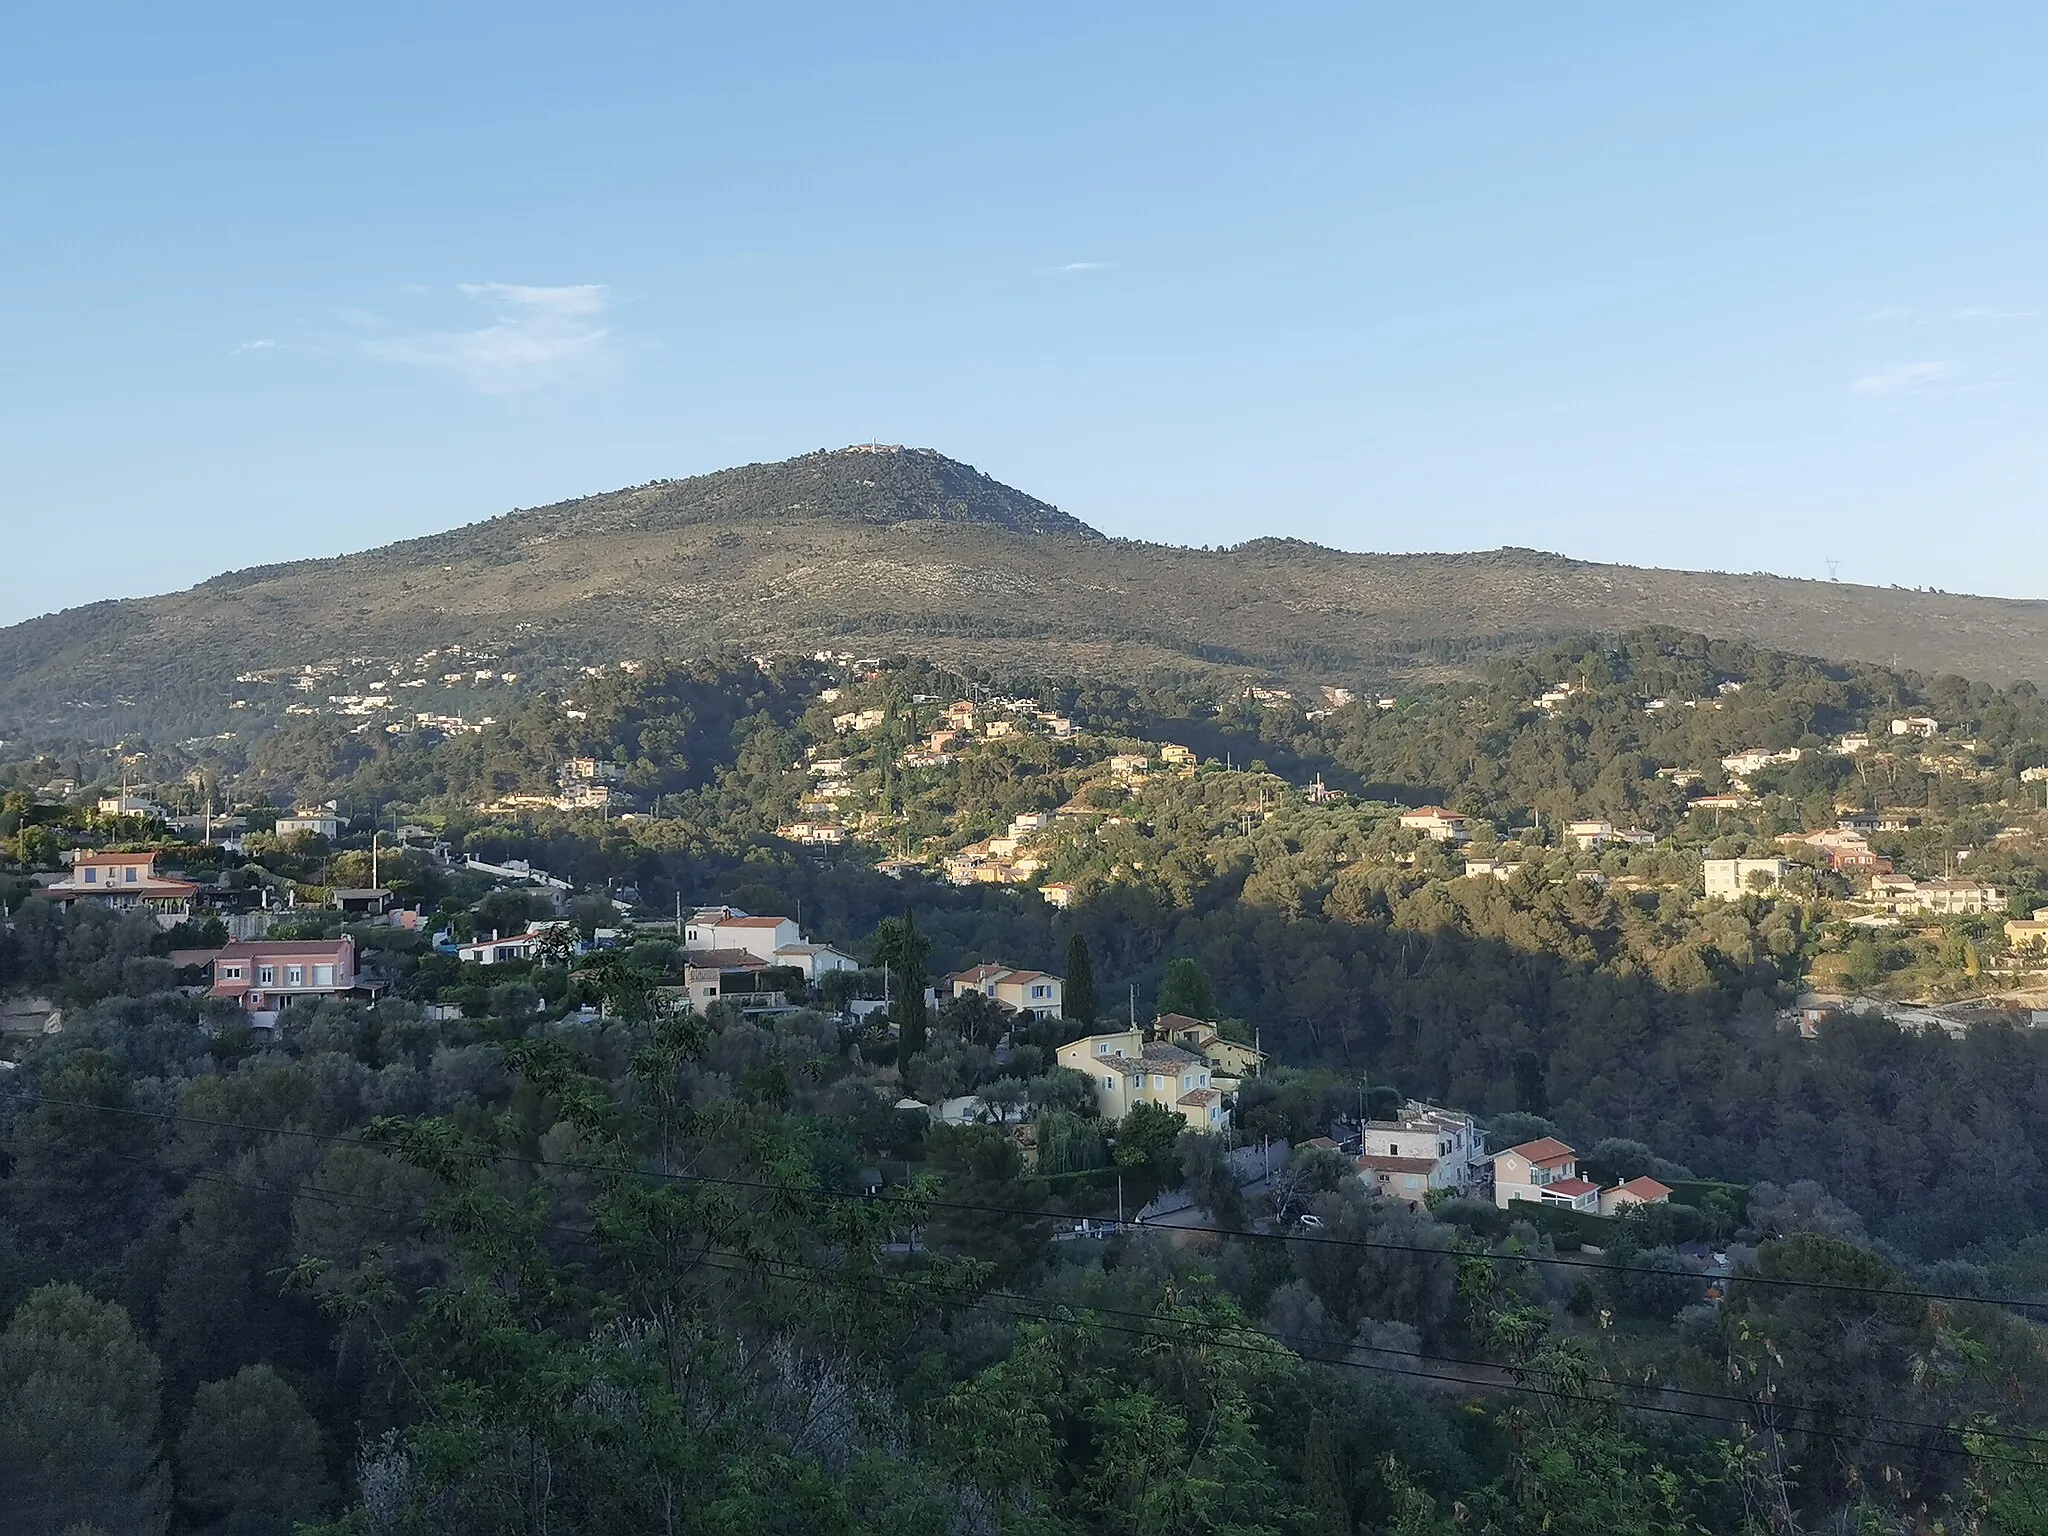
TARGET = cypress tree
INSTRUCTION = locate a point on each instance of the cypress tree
(1329, 1512)
(1077, 1000)
(910, 1009)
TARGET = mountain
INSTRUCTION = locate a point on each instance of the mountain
(877, 550)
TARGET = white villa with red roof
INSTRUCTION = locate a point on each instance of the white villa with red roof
(769, 940)
(1547, 1171)
(127, 881)
(1437, 824)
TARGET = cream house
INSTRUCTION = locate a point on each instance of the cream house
(1227, 1057)
(1129, 1070)
(1037, 993)
(1545, 1171)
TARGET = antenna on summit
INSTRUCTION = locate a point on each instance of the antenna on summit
(1833, 567)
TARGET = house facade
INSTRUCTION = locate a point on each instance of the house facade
(1731, 879)
(1037, 993)
(323, 823)
(1421, 1149)
(1437, 824)
(125, 881)
(1227, 1058)
(266, 976)
(1128, 1070)
(1545, 1171)
(1643, 1190)
(1937, 898)
(711, 928)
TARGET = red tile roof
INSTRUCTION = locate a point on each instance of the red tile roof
(1644, 1188)
(262, 949)
(1571, 1187)
(1544, 1152)
(752, 922)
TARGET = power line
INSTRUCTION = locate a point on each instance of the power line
(1374, 1244)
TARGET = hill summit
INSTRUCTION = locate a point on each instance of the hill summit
(879, 550)
(874, 484)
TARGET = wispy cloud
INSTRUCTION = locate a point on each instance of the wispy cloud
(538, 336)
(1081, 266)
(1980, 312)
(261, 344)
(1902, 378)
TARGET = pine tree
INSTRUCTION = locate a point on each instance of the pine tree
(1077, 1001)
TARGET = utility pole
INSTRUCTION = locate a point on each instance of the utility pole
(1134, 1005)
(375, 835)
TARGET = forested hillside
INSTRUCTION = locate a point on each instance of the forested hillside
(539, 1246)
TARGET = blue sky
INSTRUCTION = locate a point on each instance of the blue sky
(1740, 287)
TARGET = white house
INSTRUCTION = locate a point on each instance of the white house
(1422, 1148)
(711, 928)
(769, 940)
(1923, 726)
(1436, 824)
(496, 951)
(814, 960)
(1730, 879)
(325, 823)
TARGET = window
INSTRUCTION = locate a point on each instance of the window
(128, 873)
(1039, 989)
(92, 876)
(266, 975)
(295, 975)
(231, 973)
(323, 975)
(1109, 1082)
(1393, 1149)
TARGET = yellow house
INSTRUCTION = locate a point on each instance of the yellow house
(1201, 1037)
(1129, 1070)
(2028, 932)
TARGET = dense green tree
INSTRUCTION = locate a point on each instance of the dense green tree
(78, 1419)
(250, 1461)
(1149, 1137)
(1187, 990)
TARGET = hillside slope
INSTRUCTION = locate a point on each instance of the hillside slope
(879, 550)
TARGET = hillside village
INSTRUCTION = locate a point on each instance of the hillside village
(1554, 963)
